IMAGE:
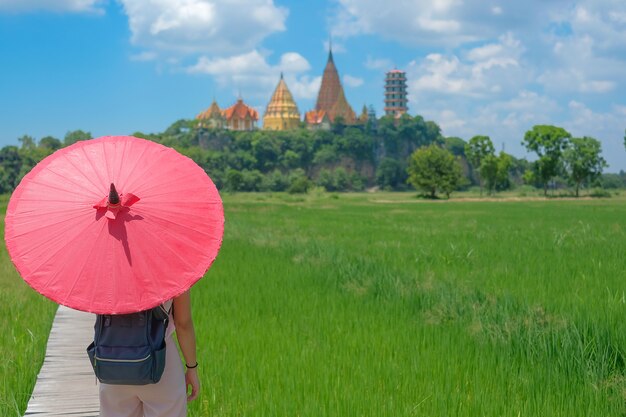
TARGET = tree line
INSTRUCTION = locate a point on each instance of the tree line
(388, 153)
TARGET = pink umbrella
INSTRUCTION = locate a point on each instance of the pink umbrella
(114, 225)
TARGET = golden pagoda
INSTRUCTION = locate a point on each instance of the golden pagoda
(364, 116)
(282, 111)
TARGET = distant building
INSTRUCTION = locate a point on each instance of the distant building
(240, 116)
(364, 116)
(396, 103)
(212, 117)
(317, 120)
(371, 117)
(282, 111)
(331, 99)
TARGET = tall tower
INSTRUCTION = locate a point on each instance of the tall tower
(396, 102)
(331, 98)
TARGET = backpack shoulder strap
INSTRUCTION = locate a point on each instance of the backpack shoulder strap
(166, 307)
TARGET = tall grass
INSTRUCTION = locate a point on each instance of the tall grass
(349, 306)
(383, 305)
(25, 322)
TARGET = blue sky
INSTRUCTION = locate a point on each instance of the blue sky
(489, 67)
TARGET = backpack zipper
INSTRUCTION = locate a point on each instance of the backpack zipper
(97, 358)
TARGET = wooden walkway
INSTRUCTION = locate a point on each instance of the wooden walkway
(66, 385)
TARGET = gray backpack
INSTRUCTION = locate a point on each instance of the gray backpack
(129, 349)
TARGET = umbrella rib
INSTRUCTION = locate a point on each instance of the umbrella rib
(65, 179)
(94, 168)
(82, 268)
(195, 230)
(106, 161)
(173, 181)
(121, 160)
(72, 220)
(156, 238)
(136, 164)
(61, 247)
(81, 170)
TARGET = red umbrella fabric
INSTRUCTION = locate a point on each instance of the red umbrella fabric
(114, 225)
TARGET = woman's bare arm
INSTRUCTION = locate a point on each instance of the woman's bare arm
(186, 336)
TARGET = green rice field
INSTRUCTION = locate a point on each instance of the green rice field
(386, 305)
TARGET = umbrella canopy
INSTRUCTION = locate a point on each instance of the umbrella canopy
(114, 225)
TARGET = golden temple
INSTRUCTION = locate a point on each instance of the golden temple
(282, 111)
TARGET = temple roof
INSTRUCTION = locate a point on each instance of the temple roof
(364, 114)
(282, 103)
(315, 117)
(331, 97)
(212, 112)
(343, 109)
(240, 110)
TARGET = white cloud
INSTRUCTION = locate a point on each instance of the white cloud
(608, 127)
(353, 82)
(144, 56)
(338, 48)
(444, 22)
(378, 63)
(304, 87)
(449, 121)
(576, 66)
(197, 26)
(71, 6)
(293, 62)
(506, 121)
(255, 77)
(481, 71)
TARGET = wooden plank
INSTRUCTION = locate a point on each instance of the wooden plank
(66, 385)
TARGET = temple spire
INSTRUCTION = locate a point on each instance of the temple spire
(281, 112)
(330, 48)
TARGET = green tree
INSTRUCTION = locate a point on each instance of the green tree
(30, 156)
(505, 162)
(74, 136)
(548, 142)
(290, 159)
(299, 183)
(455, 145)
(583, 161)
(275, 181)
(389, 174)
(342, 179)
(495, 171)
(489, 171)
(27, 141)
(433, 169)
(479, 149)
(51, 143)
(10, 164)
(234, 180)
(266, 150)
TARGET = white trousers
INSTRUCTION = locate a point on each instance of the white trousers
(167, 398)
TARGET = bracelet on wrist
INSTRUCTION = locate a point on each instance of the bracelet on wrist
(192, 366)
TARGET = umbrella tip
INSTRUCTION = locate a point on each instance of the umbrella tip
(114, 197)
